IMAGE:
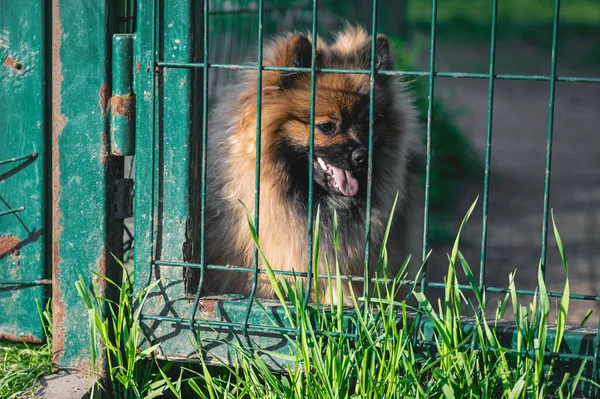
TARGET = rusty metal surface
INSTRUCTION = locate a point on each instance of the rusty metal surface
(23, 234)
(58, 123)
(30, 339)
(9, 245)
(124, 106)
(81, 168)
(10, 62)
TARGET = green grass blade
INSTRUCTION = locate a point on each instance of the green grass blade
(270, 275)
(564, 301)
(515, 392)
(588, 314)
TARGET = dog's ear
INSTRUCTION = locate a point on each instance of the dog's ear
(383, 54)
(297, 53)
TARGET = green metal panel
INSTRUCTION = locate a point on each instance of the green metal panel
(23, 176)
(82, 169)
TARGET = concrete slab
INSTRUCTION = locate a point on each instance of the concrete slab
(65, 385)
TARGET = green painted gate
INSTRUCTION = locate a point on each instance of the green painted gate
(24, 243)
(59, 214)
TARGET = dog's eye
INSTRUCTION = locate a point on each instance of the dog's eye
(327, 128)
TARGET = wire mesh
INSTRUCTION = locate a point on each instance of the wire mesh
(229, 29)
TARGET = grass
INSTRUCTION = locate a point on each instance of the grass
(22, 364)
(385, 355)
(117, 326)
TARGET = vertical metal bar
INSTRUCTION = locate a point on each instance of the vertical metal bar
(205, 70)
(549, 137)
(311, 156)
(156, 168)
(225, 74)
(257, 168)
(370, 152)
(488, 146)
(79, 33)
(430, 94)
(145, 144)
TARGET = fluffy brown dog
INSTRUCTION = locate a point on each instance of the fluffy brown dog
(340, 162)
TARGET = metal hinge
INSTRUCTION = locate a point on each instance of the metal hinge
(122, 101)
(123, 193)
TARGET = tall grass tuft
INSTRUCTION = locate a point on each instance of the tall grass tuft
(132, 373)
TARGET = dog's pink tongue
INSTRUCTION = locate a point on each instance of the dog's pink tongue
(346, 183)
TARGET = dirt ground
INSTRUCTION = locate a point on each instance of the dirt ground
(518, 161)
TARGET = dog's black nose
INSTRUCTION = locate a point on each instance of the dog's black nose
(359, 157)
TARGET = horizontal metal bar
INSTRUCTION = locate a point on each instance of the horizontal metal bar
(579, 79)
(26, 282)
(239, 326)
(215, 323)
(515, 352)
(263, 271)
(469, 75)
(11, 211)
(254, 9)
(500, 290)
(10, 160)
(466, 287)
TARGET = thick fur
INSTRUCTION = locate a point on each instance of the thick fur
(284, 162)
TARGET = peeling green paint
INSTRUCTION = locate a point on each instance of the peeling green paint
(23, 126)
(81, 167)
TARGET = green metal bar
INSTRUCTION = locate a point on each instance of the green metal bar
(145, 144)
(251, 10)
(263, 271)
(549, 137)
(204, 160)
(11, 211)
(16, 159)
(228, 44)
(398, 72)
(259, 64)
(311, 151)
(529, 353)
(240, 326)
(215, 323)
(499, 290)
(26, 282)
(488, 147)
(577, 79)
(370, 148)
(81, 168)
(430, 94)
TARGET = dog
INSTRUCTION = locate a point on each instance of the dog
(340, 162)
